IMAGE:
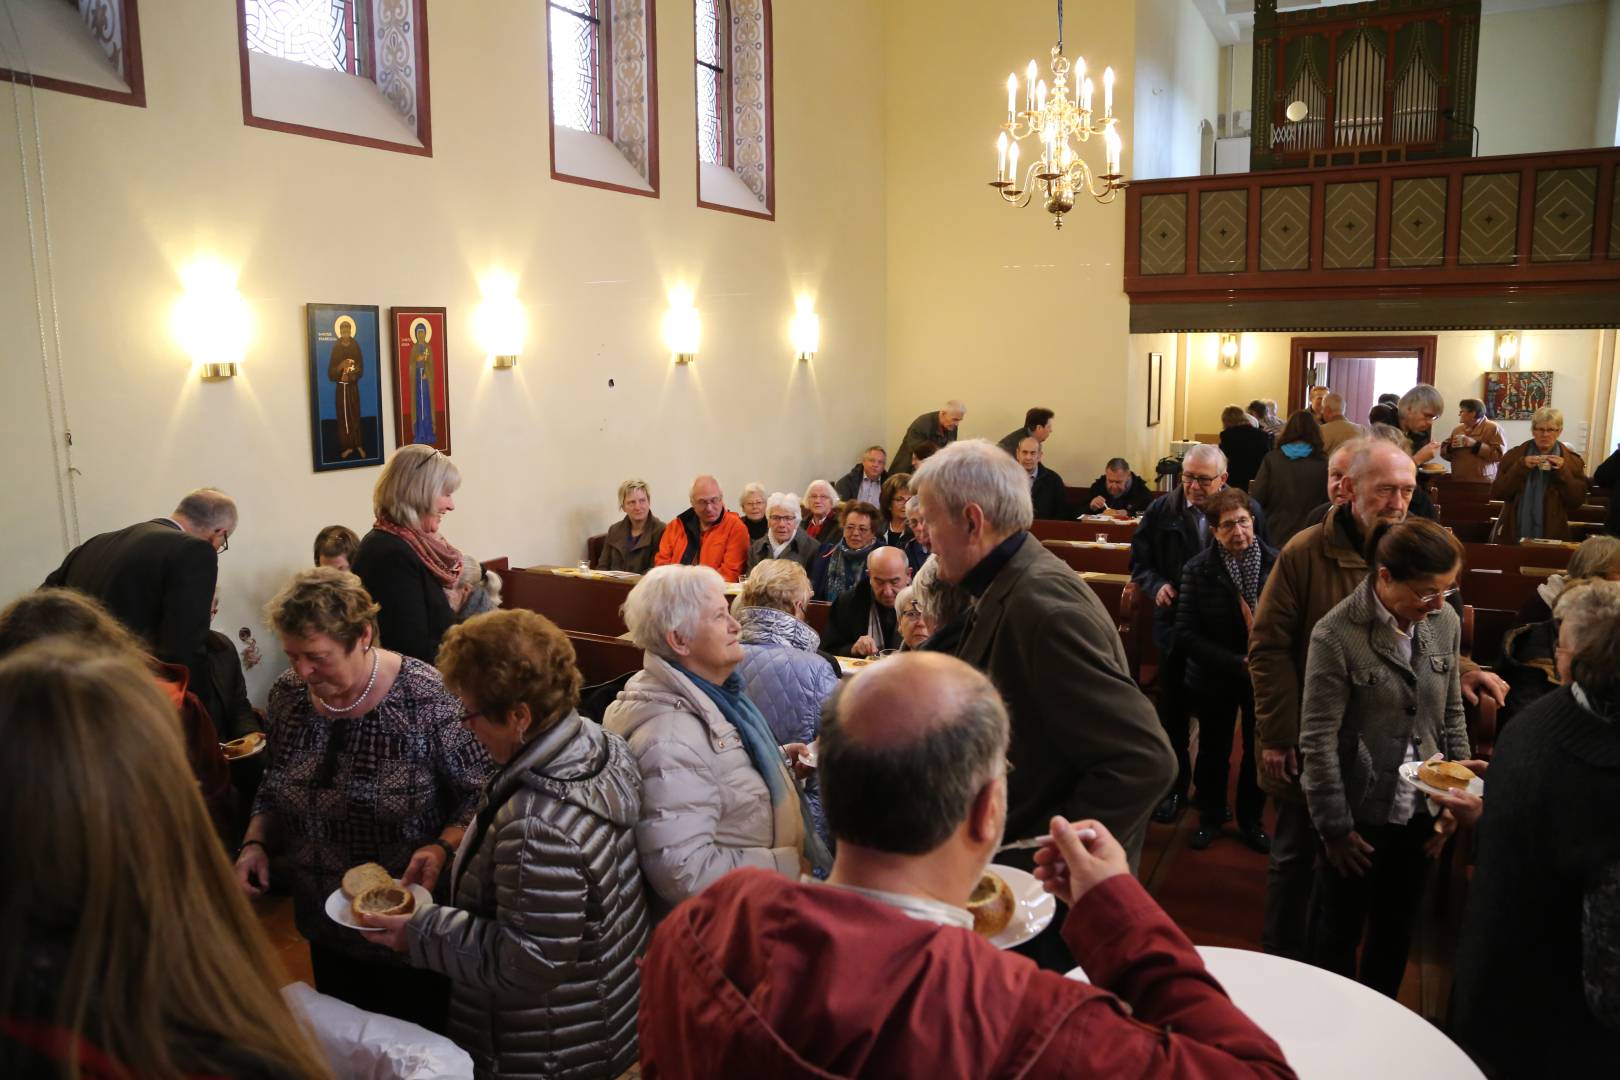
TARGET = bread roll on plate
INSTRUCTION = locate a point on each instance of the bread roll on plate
(1445, 774)
(387, 899)
(365, 876)
(991, 905)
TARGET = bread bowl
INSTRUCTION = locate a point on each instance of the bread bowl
(1446, 774)
(246, 746)
(991, 904)
(365, 876)
(390, 899)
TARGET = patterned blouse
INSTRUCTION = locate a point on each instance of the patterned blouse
(394, 778)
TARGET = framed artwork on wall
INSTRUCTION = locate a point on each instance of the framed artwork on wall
(345, 386)
(421, 377)
(1515, 395)
(1155, 399)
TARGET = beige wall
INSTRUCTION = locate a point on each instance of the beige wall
(1177, 81)
(134, 193)
(1539, 78)
(1461, 360)
(987, 303)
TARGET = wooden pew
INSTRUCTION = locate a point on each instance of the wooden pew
(1116, 531)
(1496, 598)
(602, 659)
(1515, 556)
(1087, 555)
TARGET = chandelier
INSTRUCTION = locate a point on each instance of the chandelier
(1054, 119)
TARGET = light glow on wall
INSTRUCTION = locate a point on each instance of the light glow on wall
(804, 330)
(683, 327)
(500, 322)
(210, 322)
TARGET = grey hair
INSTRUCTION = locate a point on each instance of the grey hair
(820, 485)
(1473, 405)
(630, 487)
(778, 584)
(1596, 556)
(1547, 416)
(667, 598)
(1205, 452)
(954, 406)
(981, 473)
(783, 500)
(1333, 400)
(904, 598)
(940, 601)
(1392, 435)
(1591, 611)
(913, 506)
(1366, 451)
(208, 508)
(752, 489)
(410, 482)
(1422, 396)
(1117, 464)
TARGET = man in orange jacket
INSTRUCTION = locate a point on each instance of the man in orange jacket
(706, 535)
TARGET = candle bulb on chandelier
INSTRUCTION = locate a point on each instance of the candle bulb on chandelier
(1001, 157)
(1112, 141)
(1108, 92)
(1079, 78)
(1029, 87)
(1012, 165)
(1012, 98)
(1085, 96)
(1040, 96)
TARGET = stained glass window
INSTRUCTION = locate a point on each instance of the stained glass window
(576, 29)
(321, 33)
(711, 81)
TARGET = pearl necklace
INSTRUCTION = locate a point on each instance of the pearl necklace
(376, 658)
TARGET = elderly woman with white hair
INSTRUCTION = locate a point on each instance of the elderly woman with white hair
(820, 500)
(405, 562)
(716, 790)
(752, 504)
(785, 539)
(1540, 482)
(1419, 407)
(632, 541)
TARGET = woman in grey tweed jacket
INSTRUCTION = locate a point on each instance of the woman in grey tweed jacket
(1381, 688)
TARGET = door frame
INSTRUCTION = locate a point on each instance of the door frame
(1299, 348)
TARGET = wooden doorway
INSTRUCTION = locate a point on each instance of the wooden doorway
(1358, 368)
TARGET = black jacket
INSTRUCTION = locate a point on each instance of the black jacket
(1138, 495)
(1245, 446)
(236, 717)
(616, 552)
(850, 617)
(849, 485)
(801, 549)
(415, 612)
(1164, 542)
(1048, 495)
(159, 582)
(1607, 475)
(1210, 629)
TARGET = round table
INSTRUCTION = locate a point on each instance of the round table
(1330, 1026)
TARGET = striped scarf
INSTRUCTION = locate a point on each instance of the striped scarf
(1245, 572)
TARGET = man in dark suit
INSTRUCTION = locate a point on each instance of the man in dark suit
(864, 483)
(863, 621)
(1172, 531)
(1047, 495)
(158, 578)
(1118, 488)
(1084, 739)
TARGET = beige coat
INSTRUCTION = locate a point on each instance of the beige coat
(1337, 431)
(705, 809)
(1475, 463)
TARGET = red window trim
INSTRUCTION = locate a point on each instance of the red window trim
(134, 74)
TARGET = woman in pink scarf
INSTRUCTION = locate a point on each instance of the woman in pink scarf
(408, 567)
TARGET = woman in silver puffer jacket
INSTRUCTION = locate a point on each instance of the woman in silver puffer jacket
(548, 916)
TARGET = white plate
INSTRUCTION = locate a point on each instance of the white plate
(1033, 911)
(1409, 770)
(849, 665)
(339, 911)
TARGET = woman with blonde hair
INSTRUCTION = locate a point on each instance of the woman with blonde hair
(632, 541)
(124, 948)
(1539, 482)
(405, 563)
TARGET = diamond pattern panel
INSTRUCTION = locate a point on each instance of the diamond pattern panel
(1163, 242)
(1417, 226)
(1223, 232)
(1285, 228)
(1349, 222)
(1490, 219)
(1566, 204)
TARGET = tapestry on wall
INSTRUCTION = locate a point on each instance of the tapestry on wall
(421, 378)
(1514, 395)
(345, 386)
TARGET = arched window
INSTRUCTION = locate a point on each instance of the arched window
(735, 127)
(322, 68)
(602, 75)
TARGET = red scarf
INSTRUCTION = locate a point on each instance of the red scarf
(437, 554)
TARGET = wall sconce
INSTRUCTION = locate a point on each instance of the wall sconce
(1231, 350)
(500, 323)
(210, 321)
(1507, 350)
(805, 332)
(683, 330)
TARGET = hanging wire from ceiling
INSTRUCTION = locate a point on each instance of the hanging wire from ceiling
(67, 494)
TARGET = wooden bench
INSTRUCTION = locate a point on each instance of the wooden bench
(1515, 556)
(1089, 556)
(603, 659)
(1119, 531)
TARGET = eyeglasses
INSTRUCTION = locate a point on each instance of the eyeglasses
(1201, 481)
(784, 517)
(469, 717)
(1546, 430)
(1433, 598)
(224, 544)
(1228, 526)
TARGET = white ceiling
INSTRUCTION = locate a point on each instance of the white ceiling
(1232, 21)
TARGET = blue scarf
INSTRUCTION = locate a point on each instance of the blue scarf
(760, 743)
(1294, 451)
(1532, 514)
(845, 568)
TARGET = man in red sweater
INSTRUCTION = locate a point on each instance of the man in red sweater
(706, 535)
(878, 972)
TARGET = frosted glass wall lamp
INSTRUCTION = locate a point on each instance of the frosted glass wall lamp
(210, 321)
(683, 330)
(1507, 350)
(805, 331)
(500, 323)
(1231, 350)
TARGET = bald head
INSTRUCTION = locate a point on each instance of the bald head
(906, 748)
(707, 499)
(887, 571)
(1338, 467)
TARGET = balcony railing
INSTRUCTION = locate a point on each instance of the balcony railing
(1529, 240)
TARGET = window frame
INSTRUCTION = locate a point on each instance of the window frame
(769, 61)
(604, 99)
(133, 74)
(722, 84)
(602, 75)
(424, 122)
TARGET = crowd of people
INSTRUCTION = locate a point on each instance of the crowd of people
(746, 862)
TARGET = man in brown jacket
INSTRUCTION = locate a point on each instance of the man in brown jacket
(1318, 568)
(1085, 741)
